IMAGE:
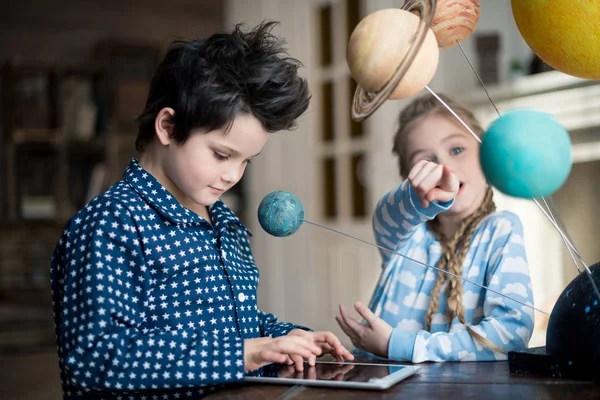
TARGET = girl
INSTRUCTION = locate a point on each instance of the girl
(443, 214)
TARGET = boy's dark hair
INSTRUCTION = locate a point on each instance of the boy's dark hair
(208, 82)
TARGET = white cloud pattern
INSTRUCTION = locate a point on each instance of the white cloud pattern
(515, 288)
(470, 299)
(407, 279)
(391, 307)
(515, 265)
(417, 301)
(464, 355)
(387, 218)
(410, 325)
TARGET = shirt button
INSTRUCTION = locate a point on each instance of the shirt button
(242, 297)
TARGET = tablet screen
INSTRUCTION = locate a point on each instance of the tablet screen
(332, 371)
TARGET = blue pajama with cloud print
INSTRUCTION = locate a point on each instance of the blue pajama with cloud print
(496, 258)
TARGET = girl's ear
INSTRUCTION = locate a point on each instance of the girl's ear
(163, 125)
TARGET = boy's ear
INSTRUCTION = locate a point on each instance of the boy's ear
(163, 125)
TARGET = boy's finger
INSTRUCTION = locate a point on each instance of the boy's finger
(298, 363)
(346, 355)
(307, 343)
(301, 333)
(293, 347)
(267, 356)
(329, 339)
(327, 349)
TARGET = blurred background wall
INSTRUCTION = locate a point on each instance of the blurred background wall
(76, 73)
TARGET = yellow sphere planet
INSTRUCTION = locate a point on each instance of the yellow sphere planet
(563, 33)
(378, 45)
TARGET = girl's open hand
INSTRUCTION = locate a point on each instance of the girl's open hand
(433, 182)
(373, 337)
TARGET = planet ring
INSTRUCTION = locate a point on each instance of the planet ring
(365, 103)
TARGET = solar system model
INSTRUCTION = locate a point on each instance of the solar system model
(393, 54)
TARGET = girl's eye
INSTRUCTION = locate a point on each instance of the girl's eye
(457, 150)
(220, 156)
(248, 161)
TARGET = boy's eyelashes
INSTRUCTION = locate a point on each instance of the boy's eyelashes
(220, 156)
(223, 157)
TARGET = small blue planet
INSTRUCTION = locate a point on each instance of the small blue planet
(280, 213)
(526, 153)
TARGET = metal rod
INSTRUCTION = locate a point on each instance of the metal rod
(453, 113)
(425, 265)
(478, 77)
(549, 215)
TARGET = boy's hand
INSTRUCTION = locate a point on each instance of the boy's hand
(327, 342)
(433, 182)
(261, 351)
(373, 337)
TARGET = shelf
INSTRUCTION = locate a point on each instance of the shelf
(63, 132)
(96, 146)
(35, 136)
(546, 82)
(53, 140)
(574, 102)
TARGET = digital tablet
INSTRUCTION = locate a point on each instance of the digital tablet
(337, 375)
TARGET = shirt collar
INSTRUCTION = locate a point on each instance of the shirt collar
(157, 196)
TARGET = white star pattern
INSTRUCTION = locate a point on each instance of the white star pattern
(150, 300)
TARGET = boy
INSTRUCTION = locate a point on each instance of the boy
(153, 282)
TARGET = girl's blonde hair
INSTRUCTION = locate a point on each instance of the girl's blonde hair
(454, 249)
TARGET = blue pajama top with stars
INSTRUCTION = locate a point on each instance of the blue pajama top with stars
(150, 300)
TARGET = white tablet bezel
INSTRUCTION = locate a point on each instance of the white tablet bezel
(376, 383)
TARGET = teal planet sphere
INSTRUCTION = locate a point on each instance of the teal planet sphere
(280, 213)
(526, 153)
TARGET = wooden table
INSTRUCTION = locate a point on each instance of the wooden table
(466, 380)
